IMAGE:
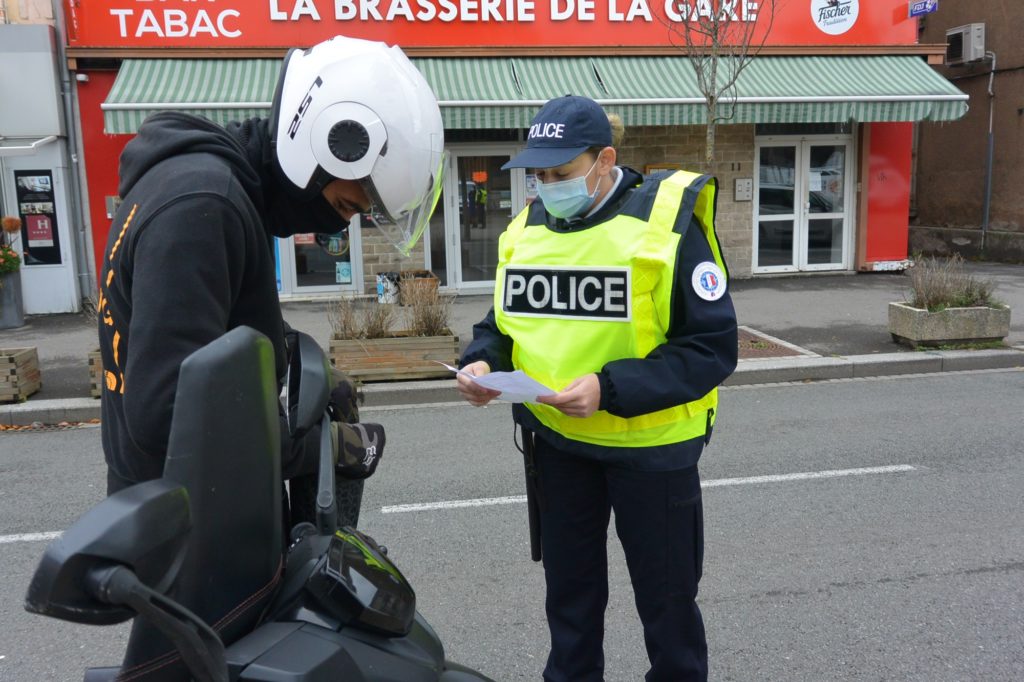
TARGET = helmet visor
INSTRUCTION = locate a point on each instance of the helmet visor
(405, 230)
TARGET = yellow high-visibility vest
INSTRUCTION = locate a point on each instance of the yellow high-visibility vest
(574, 301)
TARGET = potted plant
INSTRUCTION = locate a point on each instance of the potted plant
(947, 306)
(12, 314)
(365, 346)
(19, 367)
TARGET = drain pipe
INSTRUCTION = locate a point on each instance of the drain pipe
(86, 270)
(991, 151)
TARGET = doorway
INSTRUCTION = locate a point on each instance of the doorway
(478, 202)
(309, 268)
(804, 210)
(34, 188)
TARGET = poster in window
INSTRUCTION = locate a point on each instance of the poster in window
(37, 206)
(40, 231)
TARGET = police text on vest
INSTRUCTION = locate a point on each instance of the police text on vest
(569, 292)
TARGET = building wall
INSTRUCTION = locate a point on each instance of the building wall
(26, 11)
(950, 183)
(379, 255)
(734, 152)
(101, 155)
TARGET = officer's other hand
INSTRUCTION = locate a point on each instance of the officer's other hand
(471, 392)
(579, 399)
(358, 448)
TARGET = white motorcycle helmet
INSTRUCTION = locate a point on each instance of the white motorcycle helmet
(359, 110)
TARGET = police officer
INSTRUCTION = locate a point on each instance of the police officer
(611, 289)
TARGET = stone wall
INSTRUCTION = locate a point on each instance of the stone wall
(734, 152)
(379, 255)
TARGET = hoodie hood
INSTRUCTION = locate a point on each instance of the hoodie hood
(246, 147)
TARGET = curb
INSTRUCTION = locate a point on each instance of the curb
(749, 372)
(779, 370)
(50, 411)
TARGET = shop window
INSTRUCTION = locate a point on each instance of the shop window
(774, 129)
(487, 135)
(317, 266)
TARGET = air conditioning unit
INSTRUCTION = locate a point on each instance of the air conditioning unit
(965, 44)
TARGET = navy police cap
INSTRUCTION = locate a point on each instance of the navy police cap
(563, 129)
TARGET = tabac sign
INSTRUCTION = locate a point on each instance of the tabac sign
(482, 23)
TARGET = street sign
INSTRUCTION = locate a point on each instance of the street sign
(918, 8)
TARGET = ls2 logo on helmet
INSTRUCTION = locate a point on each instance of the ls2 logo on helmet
(835, 17)
(708, 281)
(303, 107)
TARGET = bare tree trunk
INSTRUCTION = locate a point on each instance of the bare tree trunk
(719, 47)
(709, 145)
(710, 129)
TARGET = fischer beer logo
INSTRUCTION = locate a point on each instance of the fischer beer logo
(303, 108)
(575, 293)
(835, 17)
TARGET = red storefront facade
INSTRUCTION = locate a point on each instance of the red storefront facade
(805, 184)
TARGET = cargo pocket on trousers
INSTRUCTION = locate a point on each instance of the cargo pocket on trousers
(698, 539)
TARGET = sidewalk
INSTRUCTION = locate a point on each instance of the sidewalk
(792, 329)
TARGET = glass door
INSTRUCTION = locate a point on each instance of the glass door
(309, 268)
(478, 203)
(776, 219)
(803, 215)
(824, 199)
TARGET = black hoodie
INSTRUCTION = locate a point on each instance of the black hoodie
(189, 256)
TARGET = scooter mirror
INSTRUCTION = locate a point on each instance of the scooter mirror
(143, 527)
(307, 385)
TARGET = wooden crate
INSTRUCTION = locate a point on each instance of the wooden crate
(19, 374)
(95, 373)
(396, 358)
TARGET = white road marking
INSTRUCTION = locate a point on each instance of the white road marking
(453, 504)
(713, 483)
(29, 537)
(519, 499)
(807, 475)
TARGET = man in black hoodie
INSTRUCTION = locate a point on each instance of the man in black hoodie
(190, 252)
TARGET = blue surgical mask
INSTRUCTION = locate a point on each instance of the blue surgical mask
(568, 198)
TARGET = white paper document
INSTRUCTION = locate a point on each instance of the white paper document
(515, 387)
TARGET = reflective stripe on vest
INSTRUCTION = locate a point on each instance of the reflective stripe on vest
(574, 301)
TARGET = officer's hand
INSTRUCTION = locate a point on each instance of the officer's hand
(473, 393)
(579, 399)
(358, 448)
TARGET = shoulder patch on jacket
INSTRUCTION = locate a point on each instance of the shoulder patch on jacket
(708, 281)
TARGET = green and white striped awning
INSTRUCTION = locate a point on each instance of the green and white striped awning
(505, 92)
(222, 90)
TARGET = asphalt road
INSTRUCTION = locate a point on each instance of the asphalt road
(910, 570)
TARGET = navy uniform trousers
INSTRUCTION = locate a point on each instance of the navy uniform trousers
(659, 520)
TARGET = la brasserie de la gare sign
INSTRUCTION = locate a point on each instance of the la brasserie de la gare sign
(287, 23)
(177, 22)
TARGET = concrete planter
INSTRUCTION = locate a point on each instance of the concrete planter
(395, 358)
(918, 327)
(12, 312)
